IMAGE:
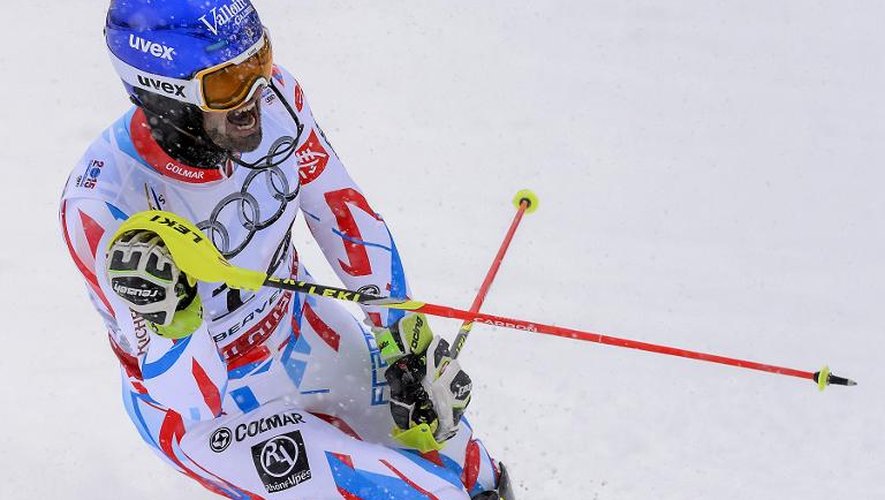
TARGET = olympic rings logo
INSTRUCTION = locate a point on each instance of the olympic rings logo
(251, 215)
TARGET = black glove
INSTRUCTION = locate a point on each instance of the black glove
(428, 394)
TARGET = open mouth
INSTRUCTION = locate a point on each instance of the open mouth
(246, 118)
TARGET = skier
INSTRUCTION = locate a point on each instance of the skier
(266, 394)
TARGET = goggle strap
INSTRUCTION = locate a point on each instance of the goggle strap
(187, 91)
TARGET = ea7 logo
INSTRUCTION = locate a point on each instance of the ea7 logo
(166, 87)
(155, 49)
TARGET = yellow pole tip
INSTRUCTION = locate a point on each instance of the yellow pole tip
(823, 378)
(528, 197)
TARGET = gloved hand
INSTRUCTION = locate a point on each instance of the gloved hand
(143, 274)
(428, 389)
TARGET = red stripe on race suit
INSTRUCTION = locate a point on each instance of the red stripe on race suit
(155, 156)
(339, 424)
(433, 457)
(347, 495)
(299, 97)
(87, 273)
(471, 465)
(255, 355)
(258, 334)
(93, 231)
(329, 336)
(408, 481)
(376, 319)
(171, 431)
(249, 494)
(128, 361)
(346, 459)
(339, 202)
(497, 471)
(210, 392)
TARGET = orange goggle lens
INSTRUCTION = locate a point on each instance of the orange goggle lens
(229, 86)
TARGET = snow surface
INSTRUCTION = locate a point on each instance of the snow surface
(710, 175)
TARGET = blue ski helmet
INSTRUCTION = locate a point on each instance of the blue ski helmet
(159, 46)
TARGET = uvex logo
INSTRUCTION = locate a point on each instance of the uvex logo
(234, 11)
(166, 87)
(155, 49)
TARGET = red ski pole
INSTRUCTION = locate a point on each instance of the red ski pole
(195, 254)
(823, 377)
(526, 202)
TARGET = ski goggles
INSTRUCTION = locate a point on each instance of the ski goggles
(230, 84)
(218, 88)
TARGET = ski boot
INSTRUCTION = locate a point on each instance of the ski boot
(504, 491)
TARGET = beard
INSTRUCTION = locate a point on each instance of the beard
(238, 130)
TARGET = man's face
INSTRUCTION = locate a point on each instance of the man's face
(237, 130)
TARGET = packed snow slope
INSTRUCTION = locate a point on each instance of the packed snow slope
(711, 177)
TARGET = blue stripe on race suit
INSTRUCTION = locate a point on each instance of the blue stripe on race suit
(456, 467)
(301, 346)
(316, 391)
(397, 282)
(160, 366)
(295, 368)
(291, 365)
(397, 273)
(378, 364)
(116, 212)
(124, 140)
(250, 369)
(297, 309)
(312, 216)
(369, 485)
(485, 453)
(451, 472)
(195, 469)
(287, 352)
(241, 371)
(131, 402)
(156, 198)
(264, 368)
(245, 399)
(358, 241)
(466, 423)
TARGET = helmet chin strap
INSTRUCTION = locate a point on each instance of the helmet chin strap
(278, 156)
(191, 136)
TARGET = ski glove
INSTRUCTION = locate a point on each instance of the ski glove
(143, 274)
(428, 389)
(410, 335)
